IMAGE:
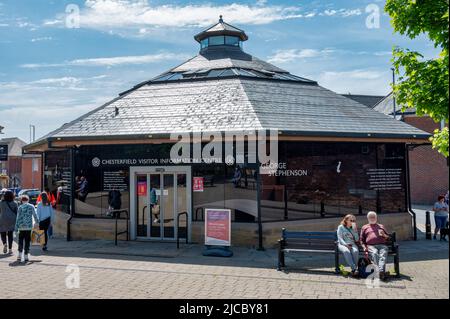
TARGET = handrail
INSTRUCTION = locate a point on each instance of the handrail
(117, 213)
(178, 228)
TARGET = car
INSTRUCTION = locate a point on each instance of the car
(31, 193)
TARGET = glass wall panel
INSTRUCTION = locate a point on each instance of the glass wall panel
(58, 178)
(317, 180)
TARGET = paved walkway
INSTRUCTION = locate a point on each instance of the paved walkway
(158, 270)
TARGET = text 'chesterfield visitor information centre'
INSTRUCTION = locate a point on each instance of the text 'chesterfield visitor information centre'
(228, 132)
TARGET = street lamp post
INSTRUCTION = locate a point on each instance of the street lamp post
(393, 95)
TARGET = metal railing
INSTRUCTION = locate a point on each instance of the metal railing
(116, 214)
(178, 228)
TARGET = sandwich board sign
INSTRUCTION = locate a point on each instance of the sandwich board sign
(217, 227)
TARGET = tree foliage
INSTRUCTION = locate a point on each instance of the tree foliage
(423, 84)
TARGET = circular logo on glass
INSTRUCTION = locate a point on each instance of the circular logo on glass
(96, 162)
(229, 160)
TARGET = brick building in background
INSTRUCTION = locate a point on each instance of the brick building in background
(428, 168)
(11, 170)
(31, 171)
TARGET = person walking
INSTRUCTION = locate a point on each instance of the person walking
(24, 226)
(45, 216)
(348, 239)
(440, 209)
(8, 215)
(50, 196)
(83, 191)
(373, 239)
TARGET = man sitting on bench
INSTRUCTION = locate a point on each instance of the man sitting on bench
(373, 239)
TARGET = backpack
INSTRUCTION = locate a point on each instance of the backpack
(363, 262)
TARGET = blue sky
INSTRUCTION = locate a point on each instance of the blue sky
(51, 73)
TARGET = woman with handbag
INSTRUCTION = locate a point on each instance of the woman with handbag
(8, 214)
(45, 216)
(348, 239)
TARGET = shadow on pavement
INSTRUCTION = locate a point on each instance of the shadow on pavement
(160, 252)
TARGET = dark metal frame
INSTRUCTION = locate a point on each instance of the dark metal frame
(178, 228)
(127, 219)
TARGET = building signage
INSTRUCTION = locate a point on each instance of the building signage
(198, 184)
(381, 179)
(115, 180)
(218, 227)
(3, 152)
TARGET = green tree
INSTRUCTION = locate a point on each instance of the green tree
(423, 84)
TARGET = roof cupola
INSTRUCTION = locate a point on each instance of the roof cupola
(221, 34)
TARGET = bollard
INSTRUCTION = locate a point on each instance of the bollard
(427, 225)
(322, 209)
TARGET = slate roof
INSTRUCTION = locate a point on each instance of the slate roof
(235, 104)
(222, 57)
(367, 100)
(226, 89)
(386, 106)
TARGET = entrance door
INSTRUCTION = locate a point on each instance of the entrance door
(160, 195)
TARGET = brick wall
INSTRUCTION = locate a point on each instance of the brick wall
(429, 170)
(30, 178)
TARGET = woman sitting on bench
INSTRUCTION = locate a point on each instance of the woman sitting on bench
(348, 239)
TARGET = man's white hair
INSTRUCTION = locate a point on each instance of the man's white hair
(369, 214)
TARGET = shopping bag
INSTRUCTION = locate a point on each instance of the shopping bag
(37, 237)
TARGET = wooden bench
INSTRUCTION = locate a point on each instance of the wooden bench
(324, 242)
(307, 242)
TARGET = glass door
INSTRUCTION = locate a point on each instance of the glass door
(155, 207)
(160, 198)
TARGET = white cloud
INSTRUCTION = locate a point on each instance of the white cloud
(137, 14)
(359, 81)
(60, 99)
(289, 55)
(341, 12)
(113, 61)
(41, 39)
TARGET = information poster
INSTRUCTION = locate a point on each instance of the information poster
(115, 180)
(218, 227)
(142, 188)
(198, 184)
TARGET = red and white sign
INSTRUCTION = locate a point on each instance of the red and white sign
(142, 188)
(198, 184)
(218, 227)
